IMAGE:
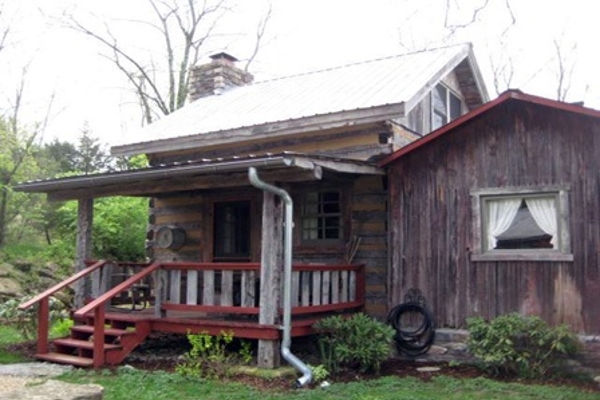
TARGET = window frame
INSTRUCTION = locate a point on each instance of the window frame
(321, 215)
(479, 197)
(447, 117)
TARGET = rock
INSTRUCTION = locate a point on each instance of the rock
(10, 288)
(55, 390)
(597, 379)
(34, 369)
(6, 270)
(437, 350)
(456, 346)
(428, 369)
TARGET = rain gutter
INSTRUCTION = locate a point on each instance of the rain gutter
(150, 174)
(287, 277)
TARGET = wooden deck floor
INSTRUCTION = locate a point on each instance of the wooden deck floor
(243, 326)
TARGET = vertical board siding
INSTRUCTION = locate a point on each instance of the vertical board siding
(431, 232)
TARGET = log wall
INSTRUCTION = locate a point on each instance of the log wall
(431, 235)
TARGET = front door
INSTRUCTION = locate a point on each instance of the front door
(231, 230)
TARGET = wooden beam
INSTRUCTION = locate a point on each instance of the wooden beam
(270, 276)
(85, 217)
(267, 130)
(199, 182)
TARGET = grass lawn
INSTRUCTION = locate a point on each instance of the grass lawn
(9, 335)
(137, 384)
(128, 384)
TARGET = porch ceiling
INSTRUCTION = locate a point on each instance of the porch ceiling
(197, 174)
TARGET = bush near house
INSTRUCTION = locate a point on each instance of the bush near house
(359, 341)
(520, 345)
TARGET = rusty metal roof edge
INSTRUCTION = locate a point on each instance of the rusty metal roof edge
(191, 167)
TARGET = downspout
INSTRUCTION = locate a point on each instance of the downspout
(287, 277)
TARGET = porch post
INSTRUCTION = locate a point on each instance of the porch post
(85, 216)
(270, 276)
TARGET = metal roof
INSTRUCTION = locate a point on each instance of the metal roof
(182, 175)
(332, 92)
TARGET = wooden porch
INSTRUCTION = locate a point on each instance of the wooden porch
(131, 300)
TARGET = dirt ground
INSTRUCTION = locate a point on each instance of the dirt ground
(164, 352)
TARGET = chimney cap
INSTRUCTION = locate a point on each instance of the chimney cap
(223, 56)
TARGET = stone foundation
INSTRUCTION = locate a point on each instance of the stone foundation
(450, 345)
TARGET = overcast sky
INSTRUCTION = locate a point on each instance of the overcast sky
(304, 35)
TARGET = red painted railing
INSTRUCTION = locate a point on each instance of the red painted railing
(44, 300)
(210, 288)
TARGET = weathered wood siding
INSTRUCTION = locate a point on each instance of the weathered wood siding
(431, 234)
(358, 142)
(369, 223)
(184, 211)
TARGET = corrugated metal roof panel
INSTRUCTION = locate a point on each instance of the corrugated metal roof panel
(391, 80)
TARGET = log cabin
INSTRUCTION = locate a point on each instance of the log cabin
(216, 256)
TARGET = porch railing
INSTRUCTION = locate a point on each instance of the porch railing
(232, 288)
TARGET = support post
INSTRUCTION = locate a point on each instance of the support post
(270, 276)
(43, 325)
(85, 216)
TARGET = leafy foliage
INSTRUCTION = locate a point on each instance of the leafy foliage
(208, 357)
(119, 228)
(357, 341)
(26, 321)
(515, 344)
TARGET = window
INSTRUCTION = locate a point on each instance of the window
(231, 231)
(523, 224)
(445, 106)
(321, 216)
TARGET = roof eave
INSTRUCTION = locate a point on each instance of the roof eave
(112, 184)
(267, 130)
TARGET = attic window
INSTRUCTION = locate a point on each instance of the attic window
(522, 224)
(445, 106)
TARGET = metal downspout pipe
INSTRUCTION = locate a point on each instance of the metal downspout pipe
(287, 277)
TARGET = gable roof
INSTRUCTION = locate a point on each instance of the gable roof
(509, 95)
(364, 92)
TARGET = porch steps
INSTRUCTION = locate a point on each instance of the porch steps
(60, 358)
(121, 336)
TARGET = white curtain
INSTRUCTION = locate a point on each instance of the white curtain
(501, 214)
(543, 211)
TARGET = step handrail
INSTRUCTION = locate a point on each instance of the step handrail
(126, 284)
(44, 307)
(98, 307)
(63, 284)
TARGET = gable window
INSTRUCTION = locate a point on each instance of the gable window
(522, 224)
(445, 106)
(321, 216)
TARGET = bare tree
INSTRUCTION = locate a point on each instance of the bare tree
(261, 30)
(473, 15)
(4, 30)
(184, 26)
(565, 65)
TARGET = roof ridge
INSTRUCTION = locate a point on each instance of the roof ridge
(363, 62)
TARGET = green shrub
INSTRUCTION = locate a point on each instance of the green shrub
(524, 346)
(359, 341)
(208, 357)
(319, 373)
(26, 321)
(61, 328)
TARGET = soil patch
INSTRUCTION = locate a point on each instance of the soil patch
(164, 351)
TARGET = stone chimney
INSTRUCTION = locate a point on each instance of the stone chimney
(217, 76)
